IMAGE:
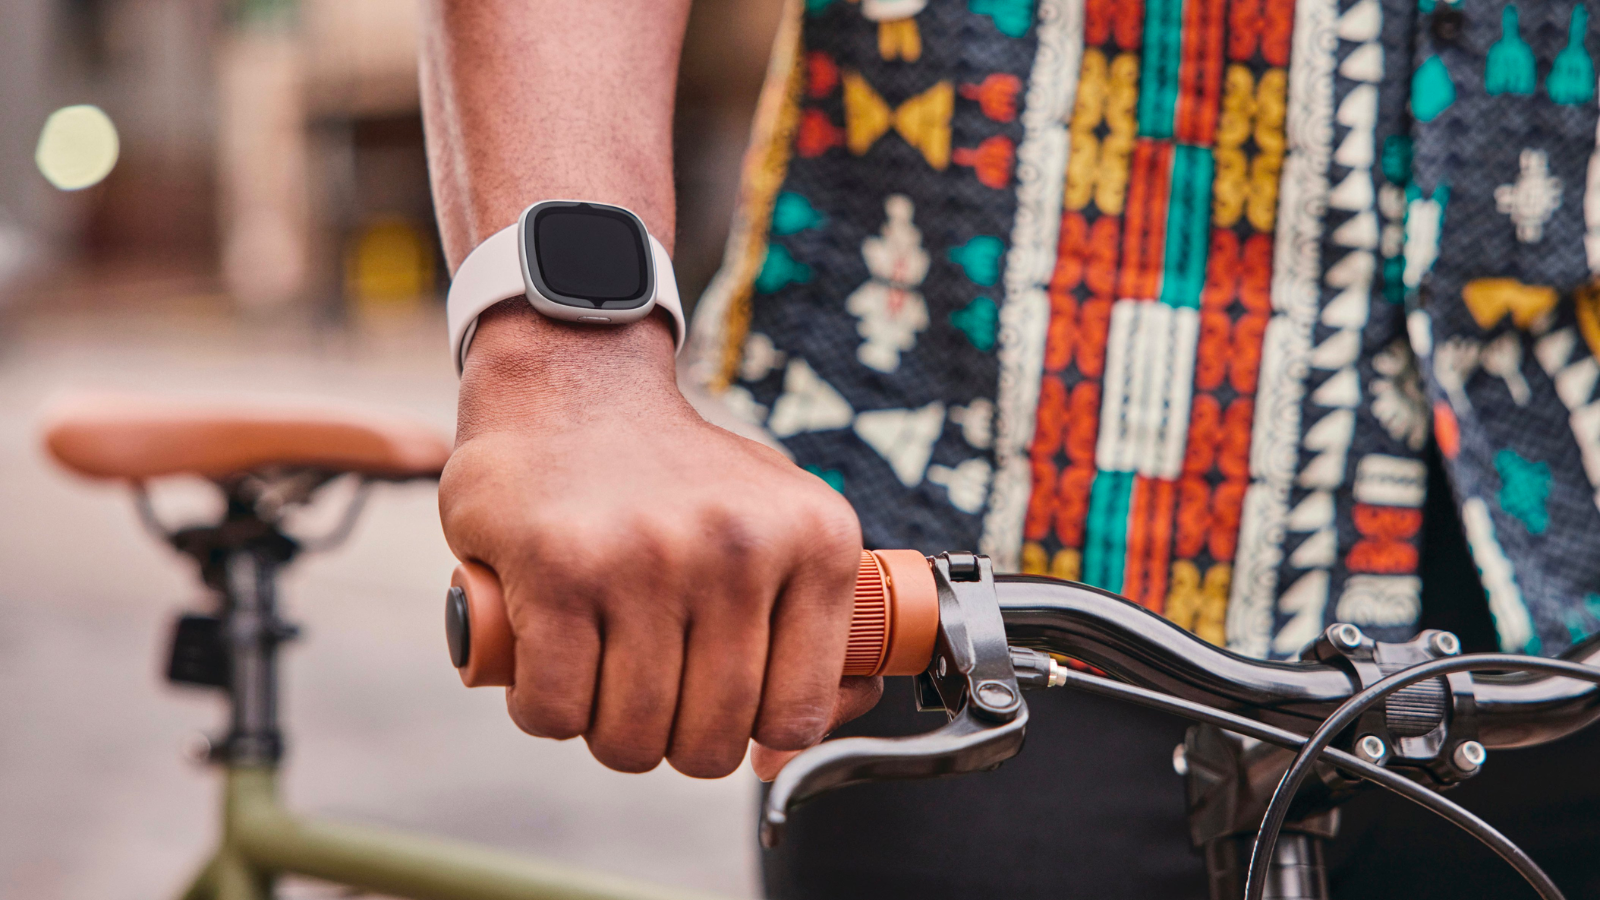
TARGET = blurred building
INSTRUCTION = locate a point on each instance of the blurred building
(271, 157)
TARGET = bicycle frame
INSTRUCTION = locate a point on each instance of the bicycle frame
(262, 840)
(241, 556)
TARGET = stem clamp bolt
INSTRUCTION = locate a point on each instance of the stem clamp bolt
(1446, 644)
(1346, 636)
(1371, 748)
(1469, 756)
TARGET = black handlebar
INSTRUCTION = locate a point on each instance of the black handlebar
(1138, 646)
(1434, 723)
(1525, 710)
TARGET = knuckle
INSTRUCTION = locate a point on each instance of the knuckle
(659, 543)
(840, 531)
(575, 590)
(462, 472)
(746, 553)
(735, 532)
(568, 543)
(832, 528)
(565, 571)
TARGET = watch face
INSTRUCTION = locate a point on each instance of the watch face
(589, 255)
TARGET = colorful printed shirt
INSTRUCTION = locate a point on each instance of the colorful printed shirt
(1170, 296)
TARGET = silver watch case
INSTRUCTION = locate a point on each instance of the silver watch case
(567, 308)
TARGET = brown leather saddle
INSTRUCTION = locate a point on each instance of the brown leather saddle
(137, 437)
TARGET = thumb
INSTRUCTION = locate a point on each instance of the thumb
(857, 694)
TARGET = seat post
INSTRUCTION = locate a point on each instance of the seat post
(236, 650)
(253, 632)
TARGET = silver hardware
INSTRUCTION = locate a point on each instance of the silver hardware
(1446, 644)
(1347, 636)
(1469, 756)
(1371, 748)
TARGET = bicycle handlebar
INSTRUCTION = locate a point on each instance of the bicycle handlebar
(1135, 645)
(897, 614)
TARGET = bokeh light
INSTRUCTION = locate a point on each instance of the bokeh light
(77, 147)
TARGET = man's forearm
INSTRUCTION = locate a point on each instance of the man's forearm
(526, 100)
(630, 535)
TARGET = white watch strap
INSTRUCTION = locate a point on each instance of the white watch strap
(492, 272)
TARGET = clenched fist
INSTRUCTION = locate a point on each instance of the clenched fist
(675, 590)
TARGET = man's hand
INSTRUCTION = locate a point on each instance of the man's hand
(675, 589)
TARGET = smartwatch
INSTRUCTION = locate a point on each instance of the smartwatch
(589, 263)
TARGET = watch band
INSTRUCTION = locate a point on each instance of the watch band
(492, 272)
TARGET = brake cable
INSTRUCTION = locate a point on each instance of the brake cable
(1445, 808)
(1348, 711)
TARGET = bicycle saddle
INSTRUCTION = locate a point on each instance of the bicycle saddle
(134, 437)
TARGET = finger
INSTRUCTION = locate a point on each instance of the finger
(810, 626)
(640, 669)
(557, 656)
(768, 762)
(723, 671)
(857, 695)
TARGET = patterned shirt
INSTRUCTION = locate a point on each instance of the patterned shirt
(1170, 296)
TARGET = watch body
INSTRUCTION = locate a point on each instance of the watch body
(586, 262)
(573, 260)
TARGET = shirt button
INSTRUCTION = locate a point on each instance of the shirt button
(1448, 24)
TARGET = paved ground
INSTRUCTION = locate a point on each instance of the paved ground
(96, 799)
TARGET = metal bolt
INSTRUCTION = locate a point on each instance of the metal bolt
(1180, 759)
(1347, 636)
(1446, 644)
(963, 566)
(1371, 748)
(996, 696)
(944, 667)
(1469, 756)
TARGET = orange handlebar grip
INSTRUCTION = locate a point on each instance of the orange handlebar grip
(896, 617)
(892, 632)
(486, 655)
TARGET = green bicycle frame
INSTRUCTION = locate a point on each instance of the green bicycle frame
(261, 840)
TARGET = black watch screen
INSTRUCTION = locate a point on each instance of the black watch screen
(582, 254)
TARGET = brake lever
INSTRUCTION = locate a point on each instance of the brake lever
(971, 677)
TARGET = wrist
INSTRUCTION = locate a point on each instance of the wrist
(527, 369)
(574, 261)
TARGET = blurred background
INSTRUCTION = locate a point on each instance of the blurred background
(208, 197)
